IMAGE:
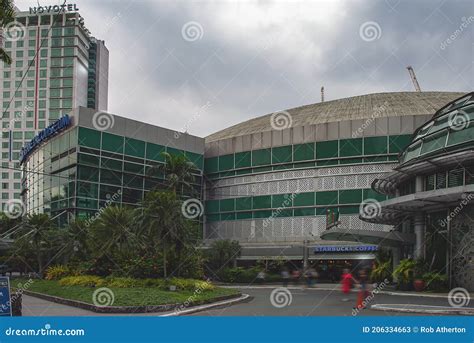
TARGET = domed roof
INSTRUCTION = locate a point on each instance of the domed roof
(353, 108)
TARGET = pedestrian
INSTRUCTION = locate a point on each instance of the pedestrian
(314, 274)
(347, 281)
(363, 292)
(295, 275)
(309, 278)
(285, 276)
(261, 277)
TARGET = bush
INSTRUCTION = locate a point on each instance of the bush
(125, 282)
(435, 282)
(83, 280)
(57, 272)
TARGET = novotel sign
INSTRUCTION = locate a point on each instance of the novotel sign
(346, 248)
(53, 129)
(54, 9)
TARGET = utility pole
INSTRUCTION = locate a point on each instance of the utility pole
(413, 79)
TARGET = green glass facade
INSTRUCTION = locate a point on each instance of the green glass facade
(325, 153)
(76, 172)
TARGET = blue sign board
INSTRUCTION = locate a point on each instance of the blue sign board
(5, 300)
(346, 248)
(44, 135)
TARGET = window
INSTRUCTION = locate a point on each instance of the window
(261, 157)
(112, 143)
(264, 201)
(89, 138)
(282, 154)
(375, 145)
(328, 149)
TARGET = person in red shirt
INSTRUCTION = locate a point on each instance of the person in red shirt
(346, 282)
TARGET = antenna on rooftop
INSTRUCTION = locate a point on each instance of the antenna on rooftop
(322, 94)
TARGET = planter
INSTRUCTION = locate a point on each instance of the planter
(419, 285)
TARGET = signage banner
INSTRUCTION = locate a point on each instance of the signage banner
(56, 127)
(54, 9)
(346, 248)
(367, 329)
(5, 299)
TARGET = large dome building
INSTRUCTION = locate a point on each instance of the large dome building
(277, 182)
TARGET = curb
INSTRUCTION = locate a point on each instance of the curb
(427, 309)
(125, 309)
(225, 303)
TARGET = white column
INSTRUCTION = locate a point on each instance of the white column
(419, 223)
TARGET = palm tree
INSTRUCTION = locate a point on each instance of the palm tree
(113, 232)
(77, 239)
(39, 240)
(162, 222)
(177, 171)
(7, 15)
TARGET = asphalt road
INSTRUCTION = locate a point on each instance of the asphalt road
(303, 302)
(316, 303)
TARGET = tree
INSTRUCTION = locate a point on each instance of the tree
(177, 171)
(113, 232)
(7, 15)
(223, 254)
(77, 239)
(163, 224)
(39, 241)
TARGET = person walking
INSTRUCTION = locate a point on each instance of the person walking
(347, 282)
(285, 276)
(363, 292)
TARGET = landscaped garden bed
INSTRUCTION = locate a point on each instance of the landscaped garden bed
(120, 295)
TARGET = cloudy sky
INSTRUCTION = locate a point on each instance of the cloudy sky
(201, 66)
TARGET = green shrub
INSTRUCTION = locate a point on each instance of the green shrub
(57, 272)
(83, 280)
(435, 282)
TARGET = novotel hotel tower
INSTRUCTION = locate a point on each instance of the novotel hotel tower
(56, 66)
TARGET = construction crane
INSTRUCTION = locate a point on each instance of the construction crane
(413, 79)
(322, 94)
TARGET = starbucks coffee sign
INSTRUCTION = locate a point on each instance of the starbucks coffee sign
(54, 9)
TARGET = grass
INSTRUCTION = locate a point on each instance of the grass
(139, 296)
